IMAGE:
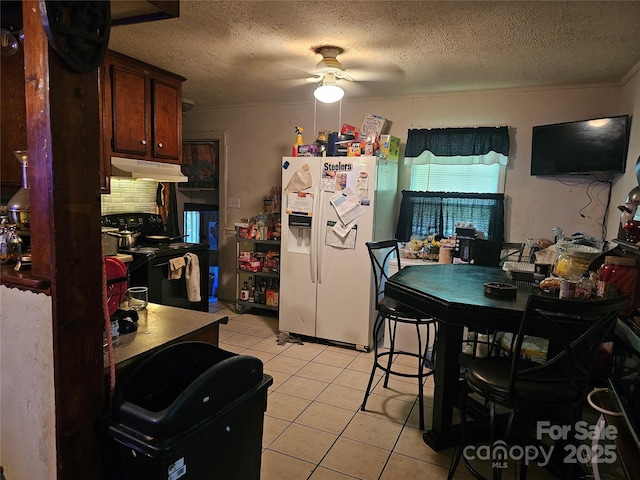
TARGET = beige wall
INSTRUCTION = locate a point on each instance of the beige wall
(630, 104)
(257, 138)
(27, 407)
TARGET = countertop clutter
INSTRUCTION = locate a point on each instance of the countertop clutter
(161, 325)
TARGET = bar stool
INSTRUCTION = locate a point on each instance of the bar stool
(392, 313)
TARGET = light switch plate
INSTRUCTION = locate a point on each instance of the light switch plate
(233, 202)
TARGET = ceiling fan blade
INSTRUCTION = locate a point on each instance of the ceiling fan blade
(375, 73)
(303, 80)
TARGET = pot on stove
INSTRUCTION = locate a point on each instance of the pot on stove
(126, 238)
(109, 242)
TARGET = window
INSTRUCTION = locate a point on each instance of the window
(426, 213)
(457, 174)
(478, 178)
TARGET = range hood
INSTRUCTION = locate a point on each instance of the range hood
(142, 169)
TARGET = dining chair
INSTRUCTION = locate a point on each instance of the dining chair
(482, 342)
(390, 314)
(552, 389)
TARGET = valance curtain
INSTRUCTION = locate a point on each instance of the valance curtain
(467, 146)
(426, 213)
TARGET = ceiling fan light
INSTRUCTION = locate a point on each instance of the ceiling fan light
(328, 91)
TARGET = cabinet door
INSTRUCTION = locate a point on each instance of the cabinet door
(129, 117)
(167, 115)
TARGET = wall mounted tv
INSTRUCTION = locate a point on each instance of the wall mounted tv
(580, 148)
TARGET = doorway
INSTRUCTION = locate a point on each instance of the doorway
(199, 201)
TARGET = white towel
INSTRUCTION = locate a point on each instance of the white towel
(192, 277)
(175, 267)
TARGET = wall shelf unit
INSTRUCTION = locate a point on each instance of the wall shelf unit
(257, 274)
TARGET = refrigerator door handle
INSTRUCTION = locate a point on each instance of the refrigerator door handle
(314, 246)
(319, 246)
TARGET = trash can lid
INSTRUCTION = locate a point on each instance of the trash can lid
(183, 385)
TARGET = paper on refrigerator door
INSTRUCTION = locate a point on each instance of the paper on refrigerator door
(300, 203)
(301, 180)
(347, 241)
(347, 205)
(342, 230)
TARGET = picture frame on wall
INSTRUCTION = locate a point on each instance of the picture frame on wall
(201, 164)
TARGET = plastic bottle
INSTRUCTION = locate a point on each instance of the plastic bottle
(585, 287)
(252, 290)
(244, 292)
(299, 141)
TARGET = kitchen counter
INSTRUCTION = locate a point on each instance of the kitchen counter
(123, 257)
(23, 279)
(161, 325)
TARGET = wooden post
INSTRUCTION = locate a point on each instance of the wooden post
(63, 142)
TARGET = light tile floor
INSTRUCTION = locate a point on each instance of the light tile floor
(314, 428)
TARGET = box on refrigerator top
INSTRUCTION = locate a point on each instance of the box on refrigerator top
(372, 127)
(350, 130)
(390, 147)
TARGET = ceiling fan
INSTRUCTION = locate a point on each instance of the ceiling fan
(330, 63)
(329, 74)
(329, 70)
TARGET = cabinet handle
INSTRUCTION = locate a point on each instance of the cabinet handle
(143, 142)
(160, 145)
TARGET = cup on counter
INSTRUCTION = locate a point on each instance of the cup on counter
(445, 255)
(138, 298)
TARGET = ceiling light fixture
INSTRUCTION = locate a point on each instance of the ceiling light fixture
(187, 104)
(328, 91)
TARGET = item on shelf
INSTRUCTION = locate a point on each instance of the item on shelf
(244, 291)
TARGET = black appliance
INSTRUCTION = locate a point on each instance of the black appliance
(464, 243)
(151, 254)
(580, 148)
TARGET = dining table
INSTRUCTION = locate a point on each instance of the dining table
(455, 295)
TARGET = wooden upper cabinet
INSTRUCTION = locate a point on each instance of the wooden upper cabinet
(141, 112)
(166, 116)
(130, 103)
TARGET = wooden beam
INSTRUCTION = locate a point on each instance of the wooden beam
(64, 153)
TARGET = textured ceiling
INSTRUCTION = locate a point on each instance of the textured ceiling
(259, 52)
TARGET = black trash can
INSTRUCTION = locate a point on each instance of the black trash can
(190, 411)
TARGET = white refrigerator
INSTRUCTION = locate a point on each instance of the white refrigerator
(332, 206)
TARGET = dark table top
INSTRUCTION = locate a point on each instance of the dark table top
(454, 293)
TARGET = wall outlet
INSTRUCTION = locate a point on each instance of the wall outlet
(233, 202)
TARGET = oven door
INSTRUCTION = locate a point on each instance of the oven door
(172, 292)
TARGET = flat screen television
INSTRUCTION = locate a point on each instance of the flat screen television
(579, 148)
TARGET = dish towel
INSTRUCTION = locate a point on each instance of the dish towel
(192, 277)
(175, 267)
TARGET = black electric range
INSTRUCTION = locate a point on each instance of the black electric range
(151, 260)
